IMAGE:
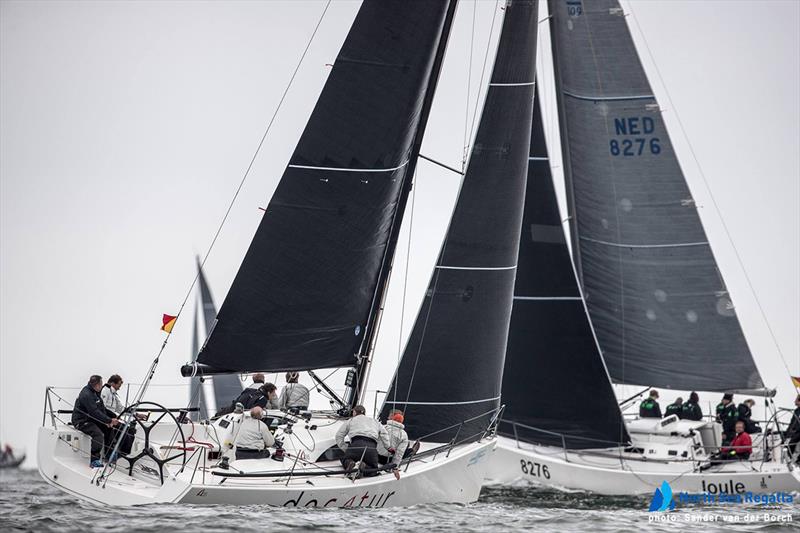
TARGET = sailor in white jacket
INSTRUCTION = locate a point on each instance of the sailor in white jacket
(398, 438)
(364, 434)
(253, 437)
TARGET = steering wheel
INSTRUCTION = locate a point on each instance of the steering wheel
(147, 426)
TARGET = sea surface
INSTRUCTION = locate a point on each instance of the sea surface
(27, 503)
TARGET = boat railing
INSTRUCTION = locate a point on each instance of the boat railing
(618, 449)
(432, 453)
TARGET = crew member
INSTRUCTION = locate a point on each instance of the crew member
(649, 407)
(249, 397)
(675, 408)
(793, 431)
(253, 437)
(727, 415)
(398, 438)
(294, 396)
(90, 416)
(741, 445)
(364, 434)
(691, 409)
(746, 413)
(110, 396)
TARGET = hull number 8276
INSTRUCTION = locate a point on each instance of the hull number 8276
(534, 469)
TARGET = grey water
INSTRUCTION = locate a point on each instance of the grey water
(27, 503)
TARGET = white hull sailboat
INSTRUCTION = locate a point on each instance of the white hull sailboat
(310, 291)
(637, 300)
(439, 472)
(620, 471)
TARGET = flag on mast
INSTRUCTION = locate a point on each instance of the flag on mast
(168, 322)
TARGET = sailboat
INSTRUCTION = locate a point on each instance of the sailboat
(311, 288)
(226, 387)
(10, 458)
(644, 303)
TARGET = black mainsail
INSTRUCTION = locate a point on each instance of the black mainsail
(452, 366)
(305, 292)
(660, 309)
(550, 334)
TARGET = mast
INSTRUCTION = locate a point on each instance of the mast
(373, 325)
(566, 160)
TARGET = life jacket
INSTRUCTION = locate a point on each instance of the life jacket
(249, 397)
(649, 409)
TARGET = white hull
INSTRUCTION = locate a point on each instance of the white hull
(605, 474)
(454, 477)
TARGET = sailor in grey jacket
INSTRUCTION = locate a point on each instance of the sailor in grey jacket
(398, 440)
(362, 426)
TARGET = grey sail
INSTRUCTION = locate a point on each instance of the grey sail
(226, 387)
(451, 369)
(661, 311)
(197, 397)
(551, 335)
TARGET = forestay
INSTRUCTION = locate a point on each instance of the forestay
(661, 310)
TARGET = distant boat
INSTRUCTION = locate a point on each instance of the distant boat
(226, 387)
(10, 459)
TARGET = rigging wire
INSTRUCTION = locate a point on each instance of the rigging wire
(405, 278)
(465, 147)
(483, 72)
(140, 392)
(710, 193)
(444, 243)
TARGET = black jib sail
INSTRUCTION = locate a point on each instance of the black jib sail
(305, 291)
(659, 306)
(550, 335)
(452, 366)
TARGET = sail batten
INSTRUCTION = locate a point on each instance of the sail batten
(659, 306)
(451, 367)
(304, 294)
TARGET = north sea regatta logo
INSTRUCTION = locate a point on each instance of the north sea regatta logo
(665, 500)
(662, 499)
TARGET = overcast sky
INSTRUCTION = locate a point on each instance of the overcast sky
(125, 128)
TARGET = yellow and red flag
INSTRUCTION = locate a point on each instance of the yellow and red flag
(795, 382)
(168, 323)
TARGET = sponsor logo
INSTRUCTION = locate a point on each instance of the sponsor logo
(715, 492)
(662, 499)
(477, 458)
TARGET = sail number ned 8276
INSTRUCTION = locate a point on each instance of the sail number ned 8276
(534, 469)
(634, 137)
